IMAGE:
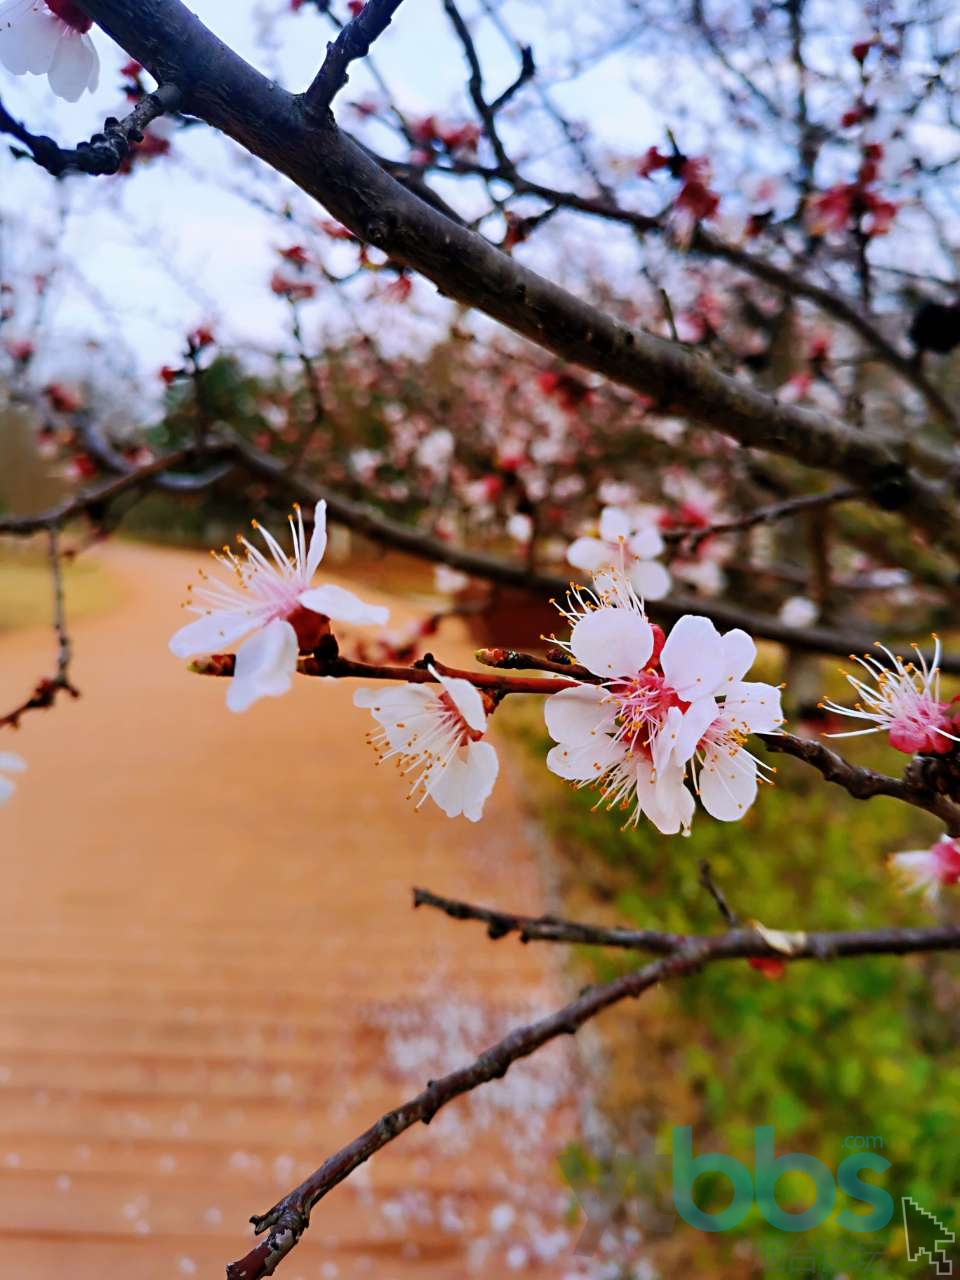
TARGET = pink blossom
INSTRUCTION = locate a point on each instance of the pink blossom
(928, 869)
(436, 735)
(271, 596)
(664, 707)
(903, 700)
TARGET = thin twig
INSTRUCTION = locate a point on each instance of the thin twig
(284, 1224)
(353, 42)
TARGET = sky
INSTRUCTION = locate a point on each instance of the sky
(141, 260)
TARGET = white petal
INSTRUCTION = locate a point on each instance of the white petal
(577, 716)
(695, 721)
(29, 36)
(754, 707)
(663, 798)
(692, 659)
(265, 667)
(463, 786)
(588, 554)
(612, 642)
(466, 698)
(586, 762)
(7, 789)
(614, 524)
(213, 633)
(343, 606)
(650, 580)
(75, 67)
(739, 654)
(405, 713)
(483, 766)
(318, 539)
(646, 543)
(10, 763)
(728, 784)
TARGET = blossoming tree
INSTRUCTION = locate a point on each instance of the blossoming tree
(733, 424)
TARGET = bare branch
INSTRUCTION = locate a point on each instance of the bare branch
(285, 1223)
(45, 694)
(915, 788)
(106, 151)
(353, 42)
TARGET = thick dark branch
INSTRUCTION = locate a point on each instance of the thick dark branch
(372, 524)
(353, 42)
(95, 499)
(106, 151)
(230, 95)
(284, 1224)
(913, 788)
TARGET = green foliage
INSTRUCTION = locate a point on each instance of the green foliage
(849, 1048)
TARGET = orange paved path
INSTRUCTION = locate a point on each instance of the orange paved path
(210, 978)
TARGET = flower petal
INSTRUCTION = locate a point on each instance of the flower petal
(29, 36)
(213, 633)
(692, 659)
(343, 606)
(577, 716)
(10, 763)
(466, 782)
(483, 767)
(646, 543)
(265, 666)
(587, 761)
(728, 784)
(754, 707)
(318, 540)
(612, 642)
(7, 788)
(588, 554)
(466, 698)
(75, 67)
(614, 524)
(739, 654)
(650, 579)
(669, 805)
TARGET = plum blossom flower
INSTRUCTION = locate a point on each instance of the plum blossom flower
(625, 545)
(50, 37)
(272, 598)
(928, 869)
(903, 701)
(9, 763)
(663, 705)
(436, 735)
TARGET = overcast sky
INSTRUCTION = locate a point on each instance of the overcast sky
(143, 259)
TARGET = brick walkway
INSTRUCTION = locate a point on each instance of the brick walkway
(210, 978)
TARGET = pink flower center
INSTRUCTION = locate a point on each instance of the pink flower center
(947, 858)
(642, 705)
(915, 730)
(72, 14)
(456, 721)
(310, 627)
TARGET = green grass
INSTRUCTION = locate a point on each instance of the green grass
(855, 1047)
(26, 590)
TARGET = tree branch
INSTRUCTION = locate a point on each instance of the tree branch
(106, 151)
(353, 42)
(230, 95)
(917, 787)
(285, 1223)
